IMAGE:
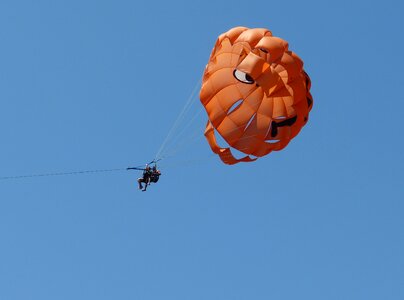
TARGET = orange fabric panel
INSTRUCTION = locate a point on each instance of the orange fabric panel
(253, 36)
(254, 65)
(274, 45)
(224, 153)
(255, 92)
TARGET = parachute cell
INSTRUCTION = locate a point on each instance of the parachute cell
(255, 92)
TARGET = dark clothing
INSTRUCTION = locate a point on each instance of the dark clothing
(154, 177)
(145, 179)
(147, 174)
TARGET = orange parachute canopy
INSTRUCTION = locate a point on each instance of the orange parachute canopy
(255, 92)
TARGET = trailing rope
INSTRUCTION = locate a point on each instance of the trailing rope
(61, 173)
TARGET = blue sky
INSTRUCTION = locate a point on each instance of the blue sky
(90, 85)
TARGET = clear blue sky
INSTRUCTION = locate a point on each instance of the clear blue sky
(88, 85)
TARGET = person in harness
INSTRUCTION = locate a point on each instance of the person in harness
(149, 175)
(155, 174)
(146, 176)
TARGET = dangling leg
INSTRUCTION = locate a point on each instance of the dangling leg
(139, 181)
(146, 183)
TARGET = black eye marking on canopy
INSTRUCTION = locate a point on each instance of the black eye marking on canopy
(243, 77)
(275, 125)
